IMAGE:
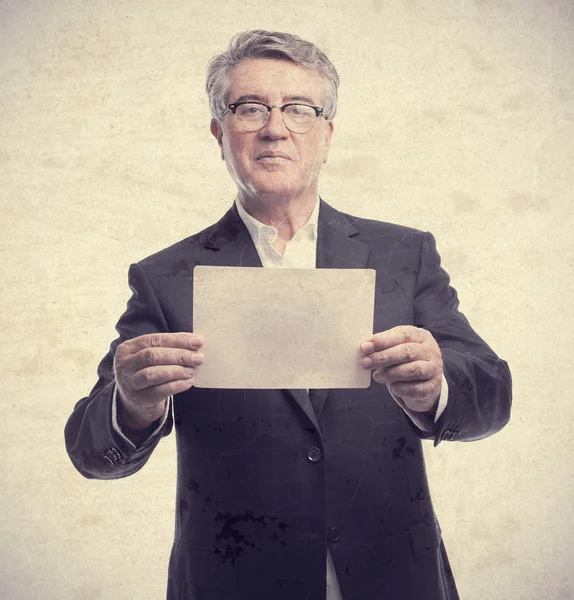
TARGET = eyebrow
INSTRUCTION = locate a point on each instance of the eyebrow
(258, 98)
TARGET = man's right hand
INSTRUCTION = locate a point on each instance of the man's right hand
(149, 369)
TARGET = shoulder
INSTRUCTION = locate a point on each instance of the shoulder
(178, 256)
(372, 226)
(371, 230)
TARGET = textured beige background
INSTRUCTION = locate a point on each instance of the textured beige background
(456, 116)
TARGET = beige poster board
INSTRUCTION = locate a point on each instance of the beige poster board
(282, 328)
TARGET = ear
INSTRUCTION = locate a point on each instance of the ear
(217, 133)
(328, 137)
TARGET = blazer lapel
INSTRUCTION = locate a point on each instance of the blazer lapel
(336, 248)
(234, 245)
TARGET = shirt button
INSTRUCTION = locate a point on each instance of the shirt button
(314, 454)
(333, 535)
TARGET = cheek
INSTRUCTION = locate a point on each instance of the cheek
(313, 153)
(236, 152)
(315, 158)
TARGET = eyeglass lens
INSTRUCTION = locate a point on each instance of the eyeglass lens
(298, 118)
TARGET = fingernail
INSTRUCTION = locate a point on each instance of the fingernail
(367, 346)
(365, 361)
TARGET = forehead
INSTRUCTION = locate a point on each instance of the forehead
(272, 80)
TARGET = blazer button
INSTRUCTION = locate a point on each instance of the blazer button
(112, 456)
(333, 535)
(314, 454)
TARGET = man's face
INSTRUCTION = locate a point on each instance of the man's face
(274, 163)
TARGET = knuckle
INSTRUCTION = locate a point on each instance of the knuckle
(410, 332)
(408, 352)
(379, 357)
(416, 371)
(150, 355)
(148, 376)
(154, 339)
(404, 333)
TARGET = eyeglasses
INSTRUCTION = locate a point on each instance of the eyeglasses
(298, 118)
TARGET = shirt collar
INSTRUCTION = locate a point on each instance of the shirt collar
(261, 232)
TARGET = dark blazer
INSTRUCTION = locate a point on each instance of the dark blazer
(266, 478)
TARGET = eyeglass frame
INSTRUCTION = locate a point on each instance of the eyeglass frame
(319, 111)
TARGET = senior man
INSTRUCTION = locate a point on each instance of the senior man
(293, 494)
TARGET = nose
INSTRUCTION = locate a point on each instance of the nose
(275, 127)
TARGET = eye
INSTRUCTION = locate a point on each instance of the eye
(251, 110)
(299, 111)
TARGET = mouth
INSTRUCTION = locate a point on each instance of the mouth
(268, 156)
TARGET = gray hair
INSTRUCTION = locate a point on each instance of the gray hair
(258, 43)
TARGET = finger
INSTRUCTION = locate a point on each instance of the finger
(149, 357)
(415, 371)
(159, 375)
(156, 394)
(393, 337)
(396, 355)
(188, 341)
(420, 391)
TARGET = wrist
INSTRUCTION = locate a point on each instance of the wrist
(138, 419)
(431, 412)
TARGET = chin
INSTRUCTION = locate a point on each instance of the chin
(271, 193)
(267, 188)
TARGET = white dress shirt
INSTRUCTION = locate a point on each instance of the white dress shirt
(300, 253)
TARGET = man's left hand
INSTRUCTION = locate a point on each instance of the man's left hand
(408, 360)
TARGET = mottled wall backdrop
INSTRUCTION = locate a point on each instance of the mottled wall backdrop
(456, 116)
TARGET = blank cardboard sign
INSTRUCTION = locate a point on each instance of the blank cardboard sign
(282, 328)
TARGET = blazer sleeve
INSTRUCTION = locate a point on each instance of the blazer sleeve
(95, 448)
(479, 382)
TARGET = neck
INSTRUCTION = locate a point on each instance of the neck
(287, 215)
